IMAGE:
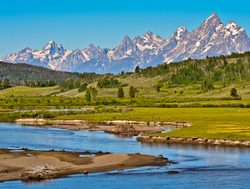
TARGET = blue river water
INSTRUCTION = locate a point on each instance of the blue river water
(199, 166)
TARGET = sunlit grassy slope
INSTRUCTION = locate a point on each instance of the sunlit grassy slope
(28, 91)
(146, 89)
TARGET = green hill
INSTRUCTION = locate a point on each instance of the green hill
(28, 75)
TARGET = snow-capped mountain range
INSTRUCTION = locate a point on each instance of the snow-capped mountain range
(211, 38)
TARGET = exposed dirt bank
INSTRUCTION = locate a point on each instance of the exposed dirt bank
(29, 165)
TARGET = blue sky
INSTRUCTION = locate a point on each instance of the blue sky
(76, 23)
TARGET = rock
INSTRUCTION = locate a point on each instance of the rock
(37, 176)
(201, 141)
(189, 140)
(210, 141)
(85, 172)
(179, 140)
(246, 143)
(217, 142)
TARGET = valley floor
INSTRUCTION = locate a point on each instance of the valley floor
(211, 115)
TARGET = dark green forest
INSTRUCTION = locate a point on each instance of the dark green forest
(34, 76)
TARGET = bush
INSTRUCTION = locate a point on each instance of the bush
(109, 83)
(233, 92)
(82, 87)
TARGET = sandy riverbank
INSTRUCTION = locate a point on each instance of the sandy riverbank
(29, 165)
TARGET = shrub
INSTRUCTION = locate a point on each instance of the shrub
(83, 87)
(233, 92)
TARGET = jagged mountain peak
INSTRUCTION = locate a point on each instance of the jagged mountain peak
(52, 47)
(91, 47)
(153, 38)
(213, 18)
(149, 35)
(126, 40)
(50, 44)
(181, 29)
(211, 23)
(181, 33)
(25, 50)
(232, 25)
(211, 38)
(126, 44)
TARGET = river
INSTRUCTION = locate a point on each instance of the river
(199, 166)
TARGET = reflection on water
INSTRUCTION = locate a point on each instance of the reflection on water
(200, 166)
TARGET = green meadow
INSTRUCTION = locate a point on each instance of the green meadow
(219, 123)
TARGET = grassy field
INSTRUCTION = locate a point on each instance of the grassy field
(28, 91)
(219, 123)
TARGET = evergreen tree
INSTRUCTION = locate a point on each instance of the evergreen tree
(120, 92)
(137, 69)
(132, 91)
(225, 62)
(207, 84)
(88, 95)
(5, 83)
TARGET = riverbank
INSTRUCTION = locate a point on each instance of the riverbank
(215, 123)
(123, 127)
(29, 165)
(192, 140)
(153, 130)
